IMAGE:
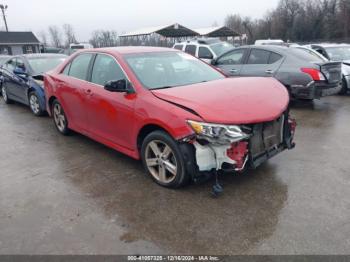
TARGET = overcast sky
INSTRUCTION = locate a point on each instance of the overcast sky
(126, 15)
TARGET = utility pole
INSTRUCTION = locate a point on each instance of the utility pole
(3, 9)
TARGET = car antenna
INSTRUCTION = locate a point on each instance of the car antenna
(217, 188)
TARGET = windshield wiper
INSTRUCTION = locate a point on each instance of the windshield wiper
(162, 87)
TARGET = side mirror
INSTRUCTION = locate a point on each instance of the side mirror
(213, 62)
(20, 72)
(120, 86)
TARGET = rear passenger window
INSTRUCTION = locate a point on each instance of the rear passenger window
(258, 57)
(274, 58)
(178, 47)
(191, 49)
(106, 69)
(80, 65)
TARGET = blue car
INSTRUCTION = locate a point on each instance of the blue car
(22, 79)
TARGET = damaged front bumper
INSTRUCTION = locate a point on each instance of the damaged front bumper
(261, 142)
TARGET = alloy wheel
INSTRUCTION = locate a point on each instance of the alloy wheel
(4, 94)
(34, 104)
(161, 161)
(59, 117)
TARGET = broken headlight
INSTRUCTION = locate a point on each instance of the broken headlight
(217, 132)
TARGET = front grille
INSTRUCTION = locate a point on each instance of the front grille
(266, 136)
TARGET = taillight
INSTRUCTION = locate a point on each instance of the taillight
(315, 74)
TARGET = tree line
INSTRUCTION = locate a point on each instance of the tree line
(291, 20)
(297, 21)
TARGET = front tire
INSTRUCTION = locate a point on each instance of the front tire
(4, 93)
(344, 88)
(34, 104)
(60, 118)
(163, 161)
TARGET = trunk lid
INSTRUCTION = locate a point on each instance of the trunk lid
(332, 71)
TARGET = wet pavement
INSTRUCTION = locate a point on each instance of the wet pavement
(71, 195)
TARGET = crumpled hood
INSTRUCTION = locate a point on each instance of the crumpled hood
(346, 68)
(231, 100)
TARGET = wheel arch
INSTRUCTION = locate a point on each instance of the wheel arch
(146, 130)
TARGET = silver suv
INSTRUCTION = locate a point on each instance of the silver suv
(205, 49)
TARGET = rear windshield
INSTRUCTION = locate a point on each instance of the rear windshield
(220, 48)
(306, 55)
(44, 64)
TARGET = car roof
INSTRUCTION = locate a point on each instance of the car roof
(273, 48)
(42, 55)
(129, 50)
(325, 45)
(201, 41)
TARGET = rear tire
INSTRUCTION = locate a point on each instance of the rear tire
(344, 87)
(4, 93)
(34, 104)
(163, 161)
(59, 118)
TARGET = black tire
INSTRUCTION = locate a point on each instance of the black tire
(36, 109)
(59, 118)
(344, 88)
(181, 177)
(4, 94)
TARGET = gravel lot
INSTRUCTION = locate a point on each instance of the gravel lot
(71, 195)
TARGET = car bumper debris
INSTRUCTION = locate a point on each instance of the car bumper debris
(261, 142)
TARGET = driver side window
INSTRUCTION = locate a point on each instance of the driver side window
(233, 58)
(11, 65)
(106, 69)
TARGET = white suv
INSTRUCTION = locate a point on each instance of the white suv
(205, 49)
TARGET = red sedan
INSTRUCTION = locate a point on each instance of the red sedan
(182, 117)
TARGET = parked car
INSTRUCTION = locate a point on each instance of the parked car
(337, 52)
(270, 42)
(3, 59)
(206, 49)
(181, 116)
(23, 79)
(305, 76)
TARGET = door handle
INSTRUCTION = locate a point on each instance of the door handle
(233, 71)
(270, 72)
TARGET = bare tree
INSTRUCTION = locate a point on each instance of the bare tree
(55, 36)
(43, 37)
(69, 35)
(104, 38)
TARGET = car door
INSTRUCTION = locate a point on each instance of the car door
(12, 81)
(109, 113)
(261, 62)
(20, 83)
(231, 62)
(71, 89)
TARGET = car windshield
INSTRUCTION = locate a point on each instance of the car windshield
(170, 69)
(220, 48)
(339, 53)
(3, 59)
(44, 64)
